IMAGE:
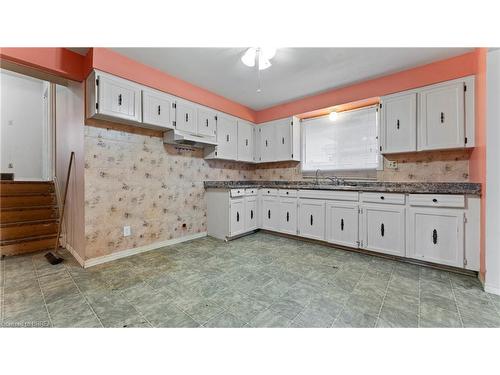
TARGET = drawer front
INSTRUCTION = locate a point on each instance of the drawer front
(287, 193)
(329, 195)
(389, 198)
(250, 192)
(237, 192)
(265, 192)
(437, 200)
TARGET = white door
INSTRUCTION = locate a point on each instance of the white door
(237, 220)
(441, 122)
(269, 213)
(283, 134)
(311, 218)
(383, 228)
(158, 109)
(207, 122)
(245, 141)
(118, 98)
(250, 213)
(287, 220)
(267, 137)
(342, 223)
(227, 138)
(185, 117)
(437, 235)
(399, 124)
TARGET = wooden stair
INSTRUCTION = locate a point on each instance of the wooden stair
(28, 217)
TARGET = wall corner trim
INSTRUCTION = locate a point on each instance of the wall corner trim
(75, 254)
(493, 289)
(140, 249)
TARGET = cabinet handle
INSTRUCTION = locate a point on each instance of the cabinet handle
(187, 117)
(266, 142)
(288, 216)
(206, 122)
(246, 142)
(227, 137)
(251, 214)
(442, 117)
(341, 224)
(382, 229)
(159, 110)
(434, 236)
(435, 200)
(268, 214)
(237, 216)
(397, 125)
(283, 140)
(120, 99)
(382, 197)
(311, 219)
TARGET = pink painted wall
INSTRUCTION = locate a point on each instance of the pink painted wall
(477, 161)
(117, 64)
(439, 71)
(58, 61)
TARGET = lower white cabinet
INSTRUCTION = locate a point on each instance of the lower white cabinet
(342, 223)
(250, 213)
(436, 235)
(270, 212)
(383, 228)
(311, 218)
(287, 220)
(237, 219)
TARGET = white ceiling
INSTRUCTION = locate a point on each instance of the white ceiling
(295, 73)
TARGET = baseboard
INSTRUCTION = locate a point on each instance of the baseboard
(75, 254)
(141, 249)
(492, 289)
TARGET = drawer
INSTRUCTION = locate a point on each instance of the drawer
(389, 198)
(265, 192)
(330, 195)
(237, 192)
(250, 192)
(287, 193)
(437, 200)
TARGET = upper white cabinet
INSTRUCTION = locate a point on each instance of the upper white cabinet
(266, 139)
(434, 117)
(112, 97)
(158, 109)
(399, 124)
(442, 117)
(227, 138)
(245, 141)
(207, 122)
(186, 116)
(279, 140)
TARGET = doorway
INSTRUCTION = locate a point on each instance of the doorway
(27, 127)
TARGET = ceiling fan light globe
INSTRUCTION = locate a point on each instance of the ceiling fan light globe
(248, 57)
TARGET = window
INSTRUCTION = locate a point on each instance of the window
(347, 144)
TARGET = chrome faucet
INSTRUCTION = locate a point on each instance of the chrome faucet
(335, 180)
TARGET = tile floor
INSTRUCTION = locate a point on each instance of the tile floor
(259, 280)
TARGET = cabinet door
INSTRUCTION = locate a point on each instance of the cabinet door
(283, 140)
(311, 218)
(250, 213)
(383, 228)
(287, 220)
(157, 109)
(269, 214)
(227, 138)
(441, 123)
(237, 219)
(206, 122)
(342, 223)
(185, 117)
(437, 235)
(399, 124)
(267, 136)
(120, 99)
(245, 141)
(256, 143)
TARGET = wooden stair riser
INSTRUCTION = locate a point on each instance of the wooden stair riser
(28, 214)
(27, 201)
(22, 231)
(28, 246)
(14, 188)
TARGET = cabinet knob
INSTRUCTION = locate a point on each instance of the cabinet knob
(206, 122)
(341, 224)
(434, 236)
(237, 216)
(397, 124)
(246, 142)
(268, 214)
(382, 229)
(311, 219)
(159, 110)
(283, 140)
(442, 117)
(288, 216)
(227, 137)
(435, 200)
(251, 214)
(187, 117)
(120, 99)
(382, 197)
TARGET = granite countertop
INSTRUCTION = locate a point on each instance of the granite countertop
(391, 187)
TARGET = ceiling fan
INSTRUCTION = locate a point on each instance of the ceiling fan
(259, 58)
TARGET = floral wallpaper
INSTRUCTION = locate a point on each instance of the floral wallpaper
(156, 189)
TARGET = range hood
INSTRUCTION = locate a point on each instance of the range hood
(178, 137)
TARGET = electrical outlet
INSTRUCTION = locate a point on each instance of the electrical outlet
(392, 164)
(126, 231)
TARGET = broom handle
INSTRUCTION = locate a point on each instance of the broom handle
(71, 158)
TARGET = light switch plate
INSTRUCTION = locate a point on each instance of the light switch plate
(126, 231)
(391, 164)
